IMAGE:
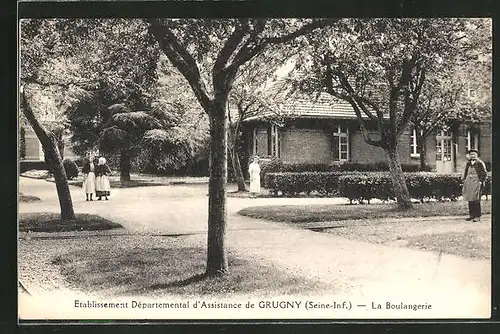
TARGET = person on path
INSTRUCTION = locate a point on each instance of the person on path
(474, 177)
(88, 177)
(254, 172)
(102, 187)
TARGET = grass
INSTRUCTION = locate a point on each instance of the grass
(51, 222)
(173, 269)
(453, 236)
(28, 198)
(332, 212)
(472, 244)
(36, 174)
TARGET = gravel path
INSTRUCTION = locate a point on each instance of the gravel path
(359, 269)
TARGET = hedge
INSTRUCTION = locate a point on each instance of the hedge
(421, 186)
(70, 168)
(365, 186)
(276, 166)
(291, 184)
(26, 165)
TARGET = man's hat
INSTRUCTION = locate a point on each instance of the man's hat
(472, 150)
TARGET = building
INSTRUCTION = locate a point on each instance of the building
(32, 150)
(327, 131)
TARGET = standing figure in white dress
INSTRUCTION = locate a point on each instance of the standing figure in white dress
(254, 172)
(88, 177)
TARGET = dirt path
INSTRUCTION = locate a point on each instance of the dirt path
(360, 270)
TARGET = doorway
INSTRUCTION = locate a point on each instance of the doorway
(445, 156)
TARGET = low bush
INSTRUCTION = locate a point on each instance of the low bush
(26, 165)
(70, 168)
(421, 186)
(488, 166)
(291, 184)
(79, 162)
(364, 186)
(277, 166)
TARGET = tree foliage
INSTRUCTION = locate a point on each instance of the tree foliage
(380, 66)
(209, 54)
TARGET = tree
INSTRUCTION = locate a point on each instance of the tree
(204, 49)
(114, 118)
(256, 91)
(379, 66)
(39, 46)
(445, 96)
(183, 134)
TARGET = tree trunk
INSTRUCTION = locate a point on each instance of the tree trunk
(125, 163)
(238, 173)
(398, 180)
(60, 146)
(235, 161)
(217, 207)
(49, 145)
(423, 153)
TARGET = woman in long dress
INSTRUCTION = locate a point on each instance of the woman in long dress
(88, 178)
(254, 172)
(102, 187)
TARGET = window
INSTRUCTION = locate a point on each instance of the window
(446, 132)
(341, 143)
(439, 149)
(266, 141)
(414, 147)
(472, 139)
(472, 93)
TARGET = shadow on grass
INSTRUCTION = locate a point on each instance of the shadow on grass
(338, 212)
(175, 284)
(28, 198)
(51, 222)
(122, 269)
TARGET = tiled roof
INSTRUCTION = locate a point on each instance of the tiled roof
(326, 106)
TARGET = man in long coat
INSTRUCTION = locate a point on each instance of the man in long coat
(474, 178)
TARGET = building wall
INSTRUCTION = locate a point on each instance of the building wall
(363, 153)
(306, 145)
(34, 149)
(485, 142)
(484, 146)
(315, 145)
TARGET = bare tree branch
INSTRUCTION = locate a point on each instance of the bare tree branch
(181, 59)
(247, 53)
(229, 47)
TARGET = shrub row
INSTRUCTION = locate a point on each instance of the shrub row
(421, 186)
(277, 166)
(26, 165)
(291, 184)
(360, 186)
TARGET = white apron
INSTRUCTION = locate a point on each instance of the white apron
(254, 171)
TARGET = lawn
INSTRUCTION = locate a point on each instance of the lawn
(336, 212)
(154, 265)
(28, 198)
(51, 222)
(451, 236)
